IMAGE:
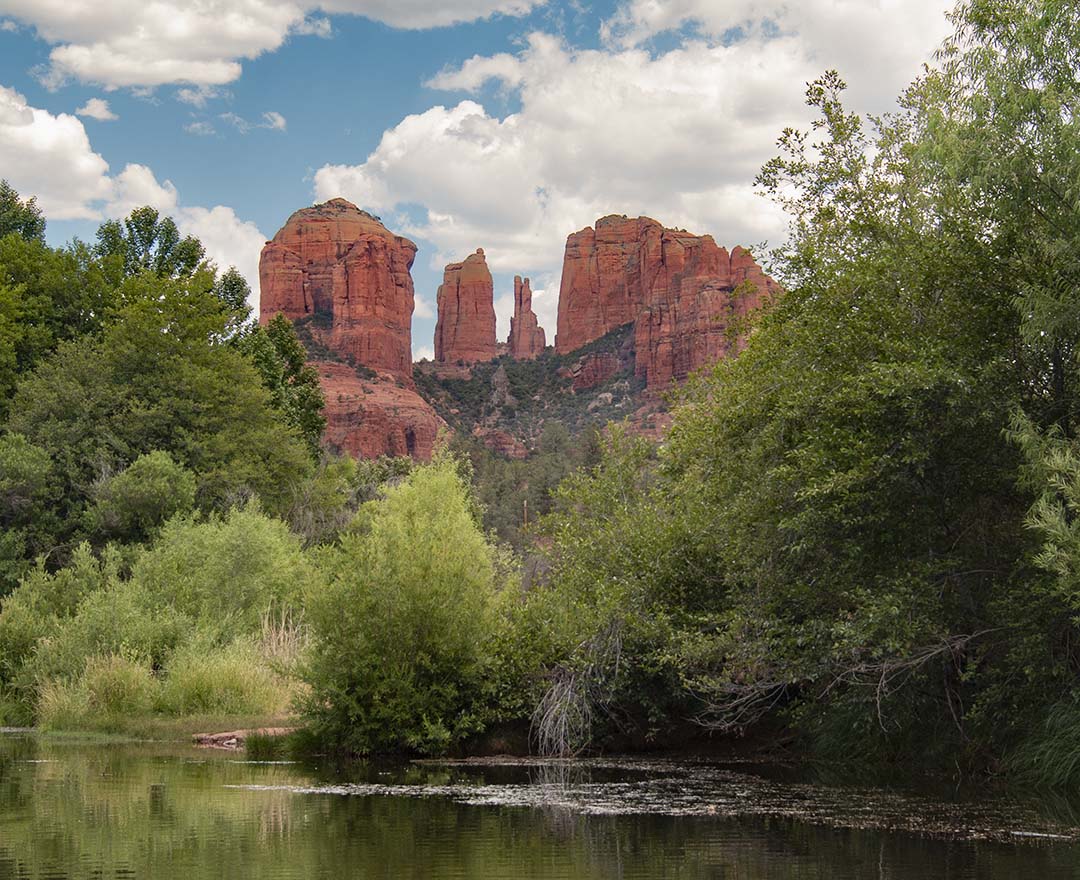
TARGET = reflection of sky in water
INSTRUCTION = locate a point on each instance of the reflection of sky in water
(75, 809)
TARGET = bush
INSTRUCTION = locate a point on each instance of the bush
(110, 621)
(40, 607)
(110, 687)
(224, 573)
(234, 680)
(133, 504)
(403, 633)
(198, 587)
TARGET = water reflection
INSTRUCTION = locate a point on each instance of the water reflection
(77, 810)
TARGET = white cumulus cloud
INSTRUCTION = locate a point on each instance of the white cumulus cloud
(97, 108)
(677, 134)
(877, 44)
(133, 43)
(50, 157)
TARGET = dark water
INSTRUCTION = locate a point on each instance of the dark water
(80, 810)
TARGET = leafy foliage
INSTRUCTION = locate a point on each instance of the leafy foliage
(133, 504)
(193, 602)
(161, 377)
(281, 360)
(401, 633)
(147, 242)
(23, 218)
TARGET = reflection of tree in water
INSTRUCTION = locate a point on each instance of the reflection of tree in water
(156, 811)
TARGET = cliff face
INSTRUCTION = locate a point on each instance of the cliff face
(655, 304)
(602, 278)
(681, 291)
(340, 262)
(465, 331)
(527, 338)
(698, 321)
(349, 276)
(368, 418)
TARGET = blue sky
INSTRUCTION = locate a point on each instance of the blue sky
(502, 124)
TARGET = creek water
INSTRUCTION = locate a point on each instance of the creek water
(79, 809)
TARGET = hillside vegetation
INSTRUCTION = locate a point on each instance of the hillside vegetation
(862, 531)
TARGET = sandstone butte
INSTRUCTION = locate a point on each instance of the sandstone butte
(527, 338)
(682, 292)
(341, 266)
(465, 330)
(340, 262)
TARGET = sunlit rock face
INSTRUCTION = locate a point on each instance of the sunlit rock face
(682, 292)
(339, 262)
(465, 331)
(367, 418)
(527, 338)
(350, 276)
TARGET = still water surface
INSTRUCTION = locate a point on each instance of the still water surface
(73, 809)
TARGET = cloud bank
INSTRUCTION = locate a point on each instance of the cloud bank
(677, 134)
(134, 43)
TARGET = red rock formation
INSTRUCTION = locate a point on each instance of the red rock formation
(502, 442)
(697, 321)
(604, 278)
(335, 260)
(369, 418)
(594, 369)
(679, 289)
(526, 335)
(465, 330)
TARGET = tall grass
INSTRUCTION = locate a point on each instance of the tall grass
(1052, 755)
(199, 680)
(284, 638)
(109, 688)
(234, 680)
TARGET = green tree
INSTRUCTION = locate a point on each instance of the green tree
(839, 509)
(27, 495)
(294, 386)
(147, 242)
(1006, 137)
(133, 504)
(403, 633)
(20, 217)
(162, 377)
(233, 290)
(46, 296)
(855, 459)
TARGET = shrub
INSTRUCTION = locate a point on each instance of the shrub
(110, 687)
(40, 607)
(134, 503)
(224, 573)
(234, 680)
(116, 620)
(402, 635)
